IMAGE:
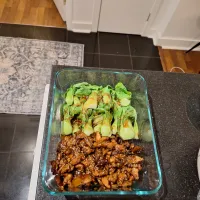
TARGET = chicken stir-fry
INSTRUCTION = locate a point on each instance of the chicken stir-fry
(95, 162)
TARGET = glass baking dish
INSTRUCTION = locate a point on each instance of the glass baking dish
(151, 178)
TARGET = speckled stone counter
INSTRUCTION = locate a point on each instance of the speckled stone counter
(173, 97)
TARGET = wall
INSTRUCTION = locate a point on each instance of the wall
(177, 25)
(164, 15)
(185, 22)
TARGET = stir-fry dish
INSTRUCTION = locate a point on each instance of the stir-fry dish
(95, 162)
(96, 151)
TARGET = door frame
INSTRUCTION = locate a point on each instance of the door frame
(147, 31)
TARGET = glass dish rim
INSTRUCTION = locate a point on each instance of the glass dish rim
(93, 193)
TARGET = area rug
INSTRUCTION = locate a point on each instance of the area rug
(25, 68)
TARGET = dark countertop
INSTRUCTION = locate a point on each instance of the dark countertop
(172, 95)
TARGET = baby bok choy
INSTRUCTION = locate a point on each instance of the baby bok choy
(91, 108)
(91, 101)
(66, 126)
(127, 129)
(123, 95)
(106, 124)
(69, 96)
(88, 129)
(117, 118)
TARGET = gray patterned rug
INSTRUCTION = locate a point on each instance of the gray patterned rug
(25, 67)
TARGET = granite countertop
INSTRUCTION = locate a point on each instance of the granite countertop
(172, 96)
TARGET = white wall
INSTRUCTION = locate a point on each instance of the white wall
(165, 13)
(177, 25)
(185, 22)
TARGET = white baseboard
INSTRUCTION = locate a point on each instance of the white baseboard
(81, 30)
(175, 43)
(83, 27)
(180, 48)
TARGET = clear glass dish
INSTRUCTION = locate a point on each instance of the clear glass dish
(151, 178)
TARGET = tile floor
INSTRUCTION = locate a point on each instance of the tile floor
(18, 133)
(105, 50)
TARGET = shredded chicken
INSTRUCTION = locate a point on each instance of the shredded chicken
(95, 162)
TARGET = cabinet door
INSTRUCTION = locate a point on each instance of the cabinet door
(124, 16)
(61, 6)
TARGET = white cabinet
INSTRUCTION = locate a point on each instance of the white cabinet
(82, 15)
(120, 16)
(124, 16)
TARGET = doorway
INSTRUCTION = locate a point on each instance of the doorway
(31, 12)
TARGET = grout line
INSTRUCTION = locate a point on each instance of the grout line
(22, 151)
(9, 155)
(105, 54)
(129, 47)
(4, 152)
(99, 48)
(113, 54)
(90, 53)
(145, 57)
(13, 136)
(7, 165)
